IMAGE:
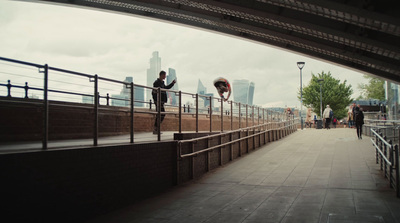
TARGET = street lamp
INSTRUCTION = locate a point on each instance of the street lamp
(320, 95)
(300, 65)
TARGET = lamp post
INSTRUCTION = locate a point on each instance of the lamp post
(320, 95)
(300, 65)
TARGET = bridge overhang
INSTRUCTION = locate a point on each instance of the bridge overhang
(360, 35)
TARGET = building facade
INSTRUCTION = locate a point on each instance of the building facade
(153, 73)
(243, 91)
(173, 99)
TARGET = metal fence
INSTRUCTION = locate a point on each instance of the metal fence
(387, 154)
(55, 84)
(389, 128)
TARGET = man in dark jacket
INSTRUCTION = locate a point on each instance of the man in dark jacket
(359, 119)
(159, 83)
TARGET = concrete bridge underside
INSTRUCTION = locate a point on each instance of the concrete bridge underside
(361, 35)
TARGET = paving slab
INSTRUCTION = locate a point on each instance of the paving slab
(321, 176)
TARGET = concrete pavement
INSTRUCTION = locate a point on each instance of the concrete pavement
(309, 176)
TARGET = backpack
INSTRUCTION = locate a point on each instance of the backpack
(331, 114)
(358, 117)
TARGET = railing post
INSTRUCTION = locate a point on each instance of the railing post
(26, 89)
(252, 113)
(197, 112)
(9, 88)
(132, 110)
(222, 115)
(46, 107)
(96, 110)
(211, 111)
(381, 149)
(391, 164)
(108, 99)
(240, 116)
(384, 154)
(158, 114)
(397, 166)
(231, 102)
(376, 150)
(247, 121)
(180, 111)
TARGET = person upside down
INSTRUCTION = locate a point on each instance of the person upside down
(223, 86)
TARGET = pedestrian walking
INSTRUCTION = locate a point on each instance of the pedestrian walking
(308, 118)
(327, 116)
(159, 83)
(359, 119)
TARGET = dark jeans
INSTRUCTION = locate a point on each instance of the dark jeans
(162, 115)
(359, 130)
(327, 122)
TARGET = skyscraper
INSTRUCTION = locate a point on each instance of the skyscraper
(251, 93)
(243, 91)
(201, 89)
(139, 96)
(153, 72)
(173, 99)
(125, 95)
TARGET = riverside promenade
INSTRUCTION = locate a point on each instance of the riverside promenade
(309, 176)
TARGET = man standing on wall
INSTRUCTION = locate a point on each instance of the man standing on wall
(159, 83)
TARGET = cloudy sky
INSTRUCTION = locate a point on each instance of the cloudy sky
(115, 46)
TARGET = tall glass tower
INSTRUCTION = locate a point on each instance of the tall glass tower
(173, 99)
(153, 72)
(251, 93)
(243, 91)
(200, 88)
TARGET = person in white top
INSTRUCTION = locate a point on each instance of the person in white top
(327, 116)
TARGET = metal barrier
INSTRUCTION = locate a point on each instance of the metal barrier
(263, 115)
(281, 129)
(388, 156)
(389, 128)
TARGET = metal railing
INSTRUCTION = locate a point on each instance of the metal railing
(263, 133)
(262, 115)
(389, 128)
(251, 132)
(387, 155)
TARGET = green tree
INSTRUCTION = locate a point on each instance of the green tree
(373, 90)
(335, 94)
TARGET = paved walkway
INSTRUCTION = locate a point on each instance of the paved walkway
(309, 176)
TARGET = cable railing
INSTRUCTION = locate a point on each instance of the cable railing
(93, 91)
(387, 155)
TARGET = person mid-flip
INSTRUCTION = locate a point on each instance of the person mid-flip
(223, 86)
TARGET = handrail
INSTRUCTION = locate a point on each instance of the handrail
(383, 155)
(380, 137)
(271, 115)
(391, 160)
(180, 142)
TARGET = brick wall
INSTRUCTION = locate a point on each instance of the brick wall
(22, 119)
